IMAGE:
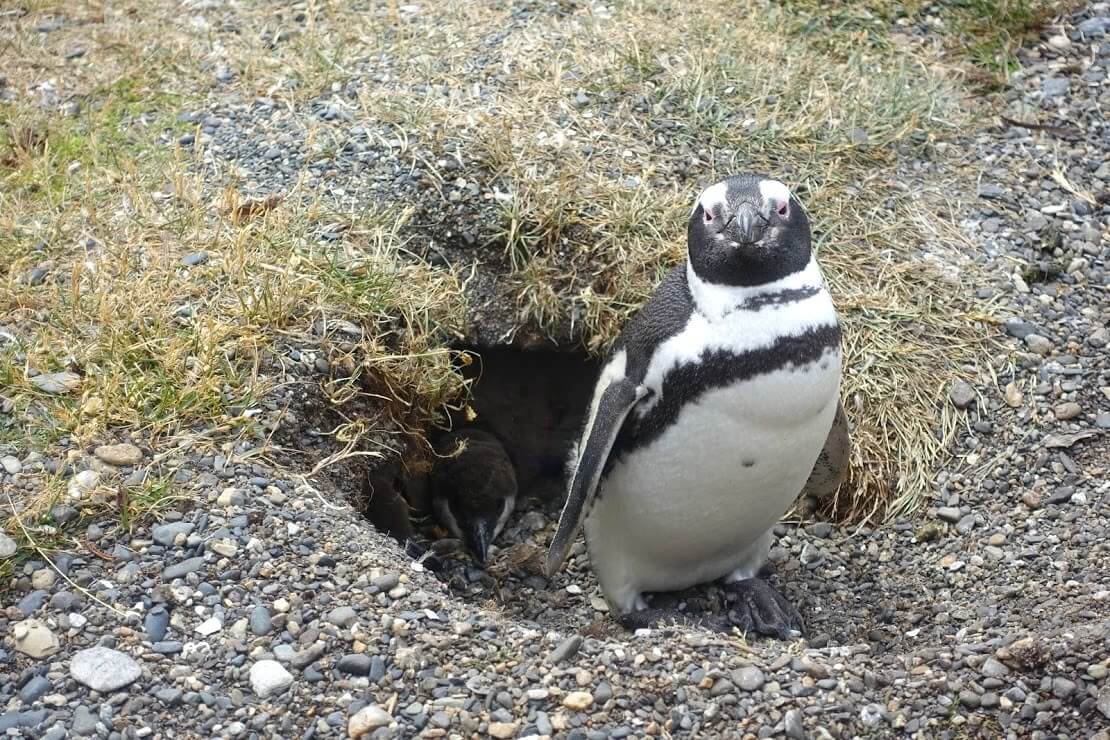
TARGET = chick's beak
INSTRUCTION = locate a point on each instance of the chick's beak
(478, 536)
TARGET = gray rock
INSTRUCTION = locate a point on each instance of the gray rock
(1104, 701)
(7, 546)
(156, 623)
(165, 534)
(749, 678)
(566, 650)
(35, 689)
(310, 654)
(168, 695)
(14, 720)
(1062, 687)
(961, 394)
(1055, 87)
(104, 669)
(356, 664)
(11, 464)
(260, 622)
(194, 258)
(603, 692)
(793, 722)
(377, 669)
(949, 514)
(32, 602)
(268, 677)
(167, 647)
(1038, 344)
(1019, 328)
(65, 601)
(987, 190)
(342, 616)
(966, 523)
(993, 668)
(821, 529)
(84, 721)
(1067, 410)
(191, 565)
(386, 582)
(63, 514)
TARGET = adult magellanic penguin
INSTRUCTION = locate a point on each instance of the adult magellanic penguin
(709, 414)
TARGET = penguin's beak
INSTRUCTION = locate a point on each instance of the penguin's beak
(478, 535)
(746, 225)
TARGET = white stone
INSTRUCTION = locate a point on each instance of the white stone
(11, 464)
(210, 626)
(42, 579)
(83, 484)
(104, 669)
(121, 454)
(269, 677)
(226, 548)
(7, 546)
(32, 637)
(367, 719)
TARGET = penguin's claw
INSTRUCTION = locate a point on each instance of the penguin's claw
(654, 617)
(759, 610)
(762, 610)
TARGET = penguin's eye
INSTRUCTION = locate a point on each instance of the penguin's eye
(708, 216)
(783, 209)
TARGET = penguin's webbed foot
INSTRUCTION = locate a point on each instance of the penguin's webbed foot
(762, 610)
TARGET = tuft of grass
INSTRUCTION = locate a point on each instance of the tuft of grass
(98, 212)
(981, 35)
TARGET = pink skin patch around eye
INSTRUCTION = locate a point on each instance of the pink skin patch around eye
(708, 216)
(784, 209)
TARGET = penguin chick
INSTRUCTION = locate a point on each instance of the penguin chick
(473, 492)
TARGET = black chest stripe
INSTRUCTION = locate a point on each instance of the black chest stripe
(717, 369)
(791, 295)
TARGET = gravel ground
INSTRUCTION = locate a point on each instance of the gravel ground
(263, 607)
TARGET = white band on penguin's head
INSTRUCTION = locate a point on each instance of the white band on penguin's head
(713, 196)
(776, 194)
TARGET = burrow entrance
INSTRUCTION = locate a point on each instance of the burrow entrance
(533, 401)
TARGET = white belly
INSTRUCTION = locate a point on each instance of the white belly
(698, 502)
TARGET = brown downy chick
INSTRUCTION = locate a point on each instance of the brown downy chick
(473, 493)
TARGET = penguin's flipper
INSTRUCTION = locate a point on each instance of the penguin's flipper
(616, 401)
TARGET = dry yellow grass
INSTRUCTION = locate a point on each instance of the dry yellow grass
(594, 125)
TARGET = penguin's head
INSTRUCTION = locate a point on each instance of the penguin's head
(747, 230)
(473, 490)
(475, 522)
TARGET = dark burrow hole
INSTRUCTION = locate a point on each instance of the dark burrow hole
(530, 400)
